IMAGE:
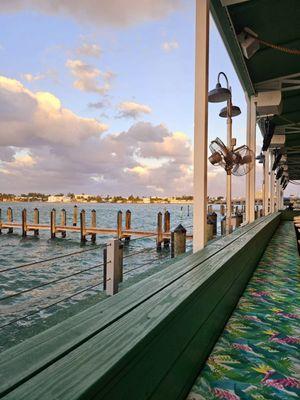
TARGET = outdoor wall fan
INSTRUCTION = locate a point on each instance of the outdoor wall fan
(237, 161)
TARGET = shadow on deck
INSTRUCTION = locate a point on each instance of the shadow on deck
(257, 355)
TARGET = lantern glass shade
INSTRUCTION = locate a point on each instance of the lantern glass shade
(219, 94)
(235, 111)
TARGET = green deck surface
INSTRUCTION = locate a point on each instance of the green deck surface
(257, 356)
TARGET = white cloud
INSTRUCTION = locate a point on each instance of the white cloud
(115, 12)
(170, 46)
(131, 109)
(89, 50)
(89, 78)
(30, 118)
(32, 78)
(49, 148)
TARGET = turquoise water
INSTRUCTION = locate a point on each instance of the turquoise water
(16, 251)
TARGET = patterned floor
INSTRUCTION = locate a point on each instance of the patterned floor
(257, 356)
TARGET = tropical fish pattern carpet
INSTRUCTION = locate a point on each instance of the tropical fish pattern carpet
(257, 355)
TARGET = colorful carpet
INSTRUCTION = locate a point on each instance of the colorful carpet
(257, 355)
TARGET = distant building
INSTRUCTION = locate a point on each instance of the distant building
(59, 199)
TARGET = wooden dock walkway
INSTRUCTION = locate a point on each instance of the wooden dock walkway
(162, 233)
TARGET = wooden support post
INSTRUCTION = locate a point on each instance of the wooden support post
(212, 219)
(0, 221)
(53, 223)
(24, 222)
(113, 267)
(200, 123)
(75, 215)
(36, 220)
(167, 228)
(82, 227)
(10, 218)
(93, 225)
(179, 240)
(128, 224)
(251, 142)
(210, 209)
(119, 224)
(159, 231)
(63, 221)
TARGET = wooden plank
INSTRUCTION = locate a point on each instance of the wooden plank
(154, 335)
(30, 357)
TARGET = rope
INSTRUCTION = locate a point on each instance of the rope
(50, 305)
(275, 46)
(49, 283)
(51, 259)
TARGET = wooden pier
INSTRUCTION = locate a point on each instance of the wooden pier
(162, 233)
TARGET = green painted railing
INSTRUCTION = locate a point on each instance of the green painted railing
(146, 341)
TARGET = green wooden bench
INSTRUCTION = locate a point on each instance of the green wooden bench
(146, 341)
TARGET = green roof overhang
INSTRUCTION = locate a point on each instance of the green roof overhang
(277, 22)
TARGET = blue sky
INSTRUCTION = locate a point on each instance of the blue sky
(148, 62)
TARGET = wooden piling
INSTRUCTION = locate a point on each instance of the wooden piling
(63, 221)
(209, 233)
(10, 218)
(119, 225)
(0, 221)
(167, 227)
(179, 240)
(24, 222)
(222, 209)
(36, 221)
(93, 225)
(75, 215)
(127, 224)
(210, 209)
(53, 223)
(82, 227)
(159, 231)
(113, 267)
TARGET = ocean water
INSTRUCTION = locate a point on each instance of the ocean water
(28, 313)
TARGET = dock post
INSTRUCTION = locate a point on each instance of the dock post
(24, 222)
(36, 220)
(209, 231)
(120, 261)
(172, 245)
(93, 225)
(82, 227)
(10, 218)
(104, 267)
(212, 219)
(63, 221)
(119, 224)
(0, 221)
(113, 266)
(210, 209)
(167, 228)
(75, 215)
(222, 210)
(128, 225)
(179, 240)
(159, 237)
(53, 223)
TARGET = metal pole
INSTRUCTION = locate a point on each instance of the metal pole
(200, 124)
(228, 177)
(272, 179)
(266, 182)
(251, 141)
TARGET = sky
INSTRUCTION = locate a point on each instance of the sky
(98, 97)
